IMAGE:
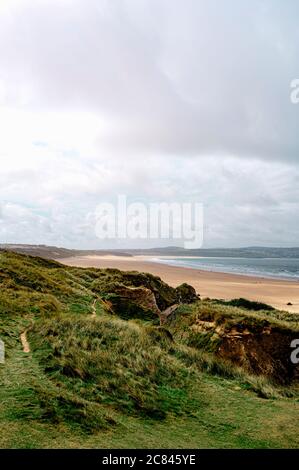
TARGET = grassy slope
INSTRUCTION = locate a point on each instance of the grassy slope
(105, 382)
(228, 418)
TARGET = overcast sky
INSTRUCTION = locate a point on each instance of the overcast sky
(161, 100)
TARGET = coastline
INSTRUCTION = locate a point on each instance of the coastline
(173, 262)
(213, 284)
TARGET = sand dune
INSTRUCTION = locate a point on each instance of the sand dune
(208, 284)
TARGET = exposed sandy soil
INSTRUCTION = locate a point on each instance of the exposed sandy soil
(25, 344)
(275, 292)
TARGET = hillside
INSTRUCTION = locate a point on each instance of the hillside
(121, 359)
(53, 252)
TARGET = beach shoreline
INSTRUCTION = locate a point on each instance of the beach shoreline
(212, 284)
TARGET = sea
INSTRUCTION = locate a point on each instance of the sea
(277, 268)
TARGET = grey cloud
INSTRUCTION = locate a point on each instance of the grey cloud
(245, 202)
(171, 80)
(172, 77)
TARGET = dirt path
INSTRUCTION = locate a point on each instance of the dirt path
(105, 304)
(93, 308)
(25, 344)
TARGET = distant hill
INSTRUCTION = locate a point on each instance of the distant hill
(53, 252)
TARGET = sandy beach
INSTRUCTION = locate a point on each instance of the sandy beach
(275, 292)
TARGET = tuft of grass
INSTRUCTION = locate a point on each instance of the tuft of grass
(208, 363)
(111, 362)
(246, 304)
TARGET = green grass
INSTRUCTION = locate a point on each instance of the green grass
(247, 304)
(98, 380)
(111, 362)
(229, 417)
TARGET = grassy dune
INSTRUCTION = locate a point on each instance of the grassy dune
(98, 378)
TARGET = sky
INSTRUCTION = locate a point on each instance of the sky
(159, 100)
